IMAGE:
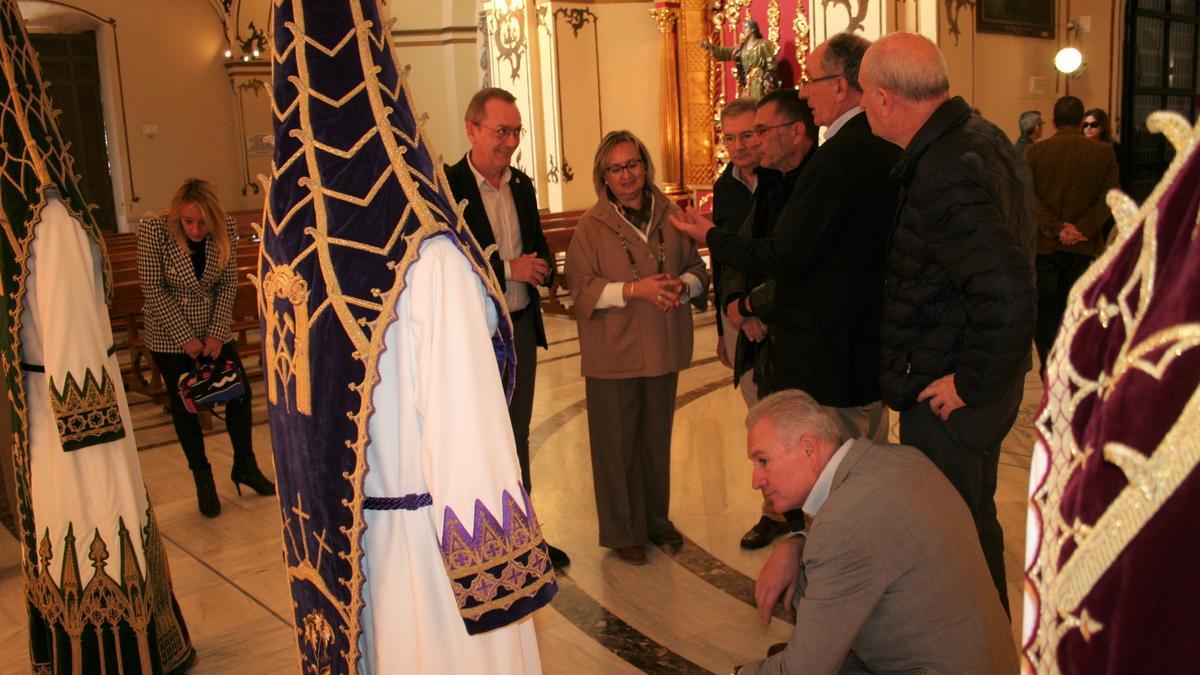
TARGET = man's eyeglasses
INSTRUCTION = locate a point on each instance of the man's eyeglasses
(504, 133)
(762, 129)
(806, 80)
(632, 166)
(744, 137)
(1091, 125)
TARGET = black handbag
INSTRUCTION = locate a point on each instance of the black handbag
(210, 383)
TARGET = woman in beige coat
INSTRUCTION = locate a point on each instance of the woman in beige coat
(632, 278)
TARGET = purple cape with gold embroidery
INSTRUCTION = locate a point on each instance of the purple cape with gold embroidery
(354, 191)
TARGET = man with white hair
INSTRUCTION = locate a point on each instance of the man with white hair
(1030, 124)
(883, 583)
(960, 299)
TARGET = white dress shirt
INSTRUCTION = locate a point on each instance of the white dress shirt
(820, 490)
(502, 214)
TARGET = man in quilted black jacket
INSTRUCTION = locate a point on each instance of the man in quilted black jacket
(960, 295)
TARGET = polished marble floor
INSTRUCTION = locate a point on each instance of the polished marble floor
(686, 611)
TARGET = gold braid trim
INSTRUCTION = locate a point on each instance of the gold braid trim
(109, 604)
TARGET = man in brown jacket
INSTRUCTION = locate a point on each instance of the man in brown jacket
(1071, 178)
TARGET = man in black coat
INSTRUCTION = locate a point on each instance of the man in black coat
(785, 138)
(502, 211)
(960, 304)
(826, 253)
(732, 195)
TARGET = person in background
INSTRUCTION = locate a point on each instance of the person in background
(732, 196)
(1030, 124)
(785, 138)
(827, 249)
(1071, 179)
(632, 278)
(1098, 127)
(188, 269)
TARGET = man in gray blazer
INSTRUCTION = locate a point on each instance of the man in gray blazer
(890, 577)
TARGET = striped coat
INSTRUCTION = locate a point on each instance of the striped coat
(179, 306)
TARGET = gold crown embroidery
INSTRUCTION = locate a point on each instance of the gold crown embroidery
(87, 414)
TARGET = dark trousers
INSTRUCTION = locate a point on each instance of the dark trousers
(1056, 274)
(187, 426)
(629, 428)
(520, 408)
(967, 450)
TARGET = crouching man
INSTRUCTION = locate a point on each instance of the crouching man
(889, 576)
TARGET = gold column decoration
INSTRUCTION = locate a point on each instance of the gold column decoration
(667, 18)
(800, 25)
(696, 104)
(773, 15)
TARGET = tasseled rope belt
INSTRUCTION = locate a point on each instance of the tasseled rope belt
(406, 503)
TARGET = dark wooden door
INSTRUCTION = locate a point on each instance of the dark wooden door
(1160, 74)
(70, 65)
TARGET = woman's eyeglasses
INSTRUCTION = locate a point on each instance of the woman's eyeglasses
(632, 166)
(1091, 125)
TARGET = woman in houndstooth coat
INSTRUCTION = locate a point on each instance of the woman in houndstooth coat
(189, 279)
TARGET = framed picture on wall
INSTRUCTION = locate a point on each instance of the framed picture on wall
(1024, 18)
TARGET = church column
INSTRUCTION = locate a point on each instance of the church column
(666, 15)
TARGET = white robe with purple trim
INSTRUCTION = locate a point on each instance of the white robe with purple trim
(440, 426)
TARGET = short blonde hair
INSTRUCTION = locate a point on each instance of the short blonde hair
(611, 140)
(200, 192)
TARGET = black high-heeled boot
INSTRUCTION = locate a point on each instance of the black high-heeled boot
(246, 472)
(206, 493)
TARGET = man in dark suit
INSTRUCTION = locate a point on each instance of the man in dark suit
(732, 195)
(826, 253)
(502, 212)
(881, 580)
(1072, 175)
(785, 138)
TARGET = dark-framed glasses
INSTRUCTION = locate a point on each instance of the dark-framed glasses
(806, 80)
(743, 137)
(504, 133)
(1091, 125)
(761, 129)
(632, 166)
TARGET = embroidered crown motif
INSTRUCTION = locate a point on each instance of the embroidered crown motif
(499, 564)
(87, 414)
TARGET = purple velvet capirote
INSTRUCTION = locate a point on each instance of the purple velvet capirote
(340, 191)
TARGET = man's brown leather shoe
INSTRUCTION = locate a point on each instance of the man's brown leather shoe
(634, 555)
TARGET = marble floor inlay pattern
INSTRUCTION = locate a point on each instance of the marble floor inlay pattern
(688, 610)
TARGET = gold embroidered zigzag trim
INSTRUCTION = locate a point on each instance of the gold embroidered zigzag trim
(498, 565)
(87, 414)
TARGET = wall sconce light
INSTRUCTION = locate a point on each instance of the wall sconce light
(1069, 60)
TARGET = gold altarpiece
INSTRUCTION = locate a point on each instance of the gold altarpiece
(695, 87)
